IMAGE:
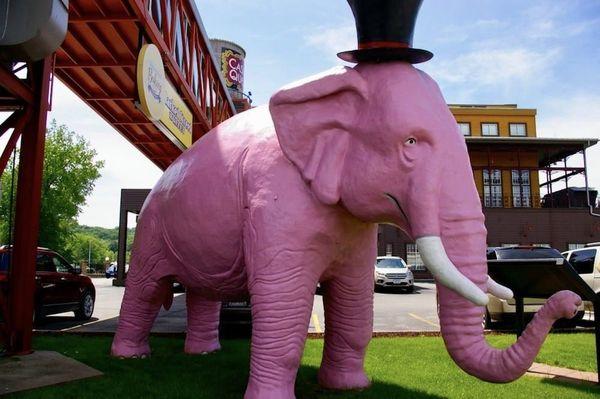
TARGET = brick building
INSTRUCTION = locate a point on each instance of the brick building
(523, 182)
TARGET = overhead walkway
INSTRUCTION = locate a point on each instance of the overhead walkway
(98, 61)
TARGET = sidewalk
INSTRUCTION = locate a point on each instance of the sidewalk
(562, 374)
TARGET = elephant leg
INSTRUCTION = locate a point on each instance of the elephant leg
(139, 309)
(202, 324)
(148, 287)
(348, 303)
(281, 308)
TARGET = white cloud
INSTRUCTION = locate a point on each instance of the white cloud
(574, 116)
(333, 40)
(501, 67)
(490, 23)
(551, 21)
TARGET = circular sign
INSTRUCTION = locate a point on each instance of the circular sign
(151, 82)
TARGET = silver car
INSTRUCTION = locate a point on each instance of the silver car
(392, 271)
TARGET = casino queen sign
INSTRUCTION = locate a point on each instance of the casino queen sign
(159, 100)
(232, 65)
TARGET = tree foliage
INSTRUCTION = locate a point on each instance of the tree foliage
(83, 247)
(109, 236)
(70, 171)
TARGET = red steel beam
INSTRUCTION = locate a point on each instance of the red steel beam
(15, 86)
(12, 141)
(27, 214)
(11, 121)
(84, 19)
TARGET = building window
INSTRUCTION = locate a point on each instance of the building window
(492, 188)
(521, 189)
(413, 258)
(517, 129)
(573, 246)
(465, 128)
(541, 245)
(489, 129)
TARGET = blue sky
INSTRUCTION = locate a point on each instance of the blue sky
(538, 54)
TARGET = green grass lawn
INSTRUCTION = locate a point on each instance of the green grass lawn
(398, 367)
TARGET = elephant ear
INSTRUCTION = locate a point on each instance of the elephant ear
(313, 120)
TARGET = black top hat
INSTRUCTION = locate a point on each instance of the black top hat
(385, 31)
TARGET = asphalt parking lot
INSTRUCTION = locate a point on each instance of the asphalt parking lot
(394, 311)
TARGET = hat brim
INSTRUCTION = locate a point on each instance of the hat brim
(412, 55)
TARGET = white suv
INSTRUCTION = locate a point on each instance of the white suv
(392, 271)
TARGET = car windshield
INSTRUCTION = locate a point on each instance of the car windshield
(391, 263)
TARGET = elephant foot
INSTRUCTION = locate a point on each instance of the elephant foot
(129, 350)
(262, 391)
(332, 378)
(198, 347)
(563, 304)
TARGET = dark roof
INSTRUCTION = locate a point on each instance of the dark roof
(550, 150)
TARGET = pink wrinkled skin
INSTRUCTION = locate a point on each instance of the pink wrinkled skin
(276, 199)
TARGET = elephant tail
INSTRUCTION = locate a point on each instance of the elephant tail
(462, 330)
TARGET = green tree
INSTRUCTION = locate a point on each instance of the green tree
(82, 246)
(70, 171)
(110, 236)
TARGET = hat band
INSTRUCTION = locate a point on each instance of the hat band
(382, 44)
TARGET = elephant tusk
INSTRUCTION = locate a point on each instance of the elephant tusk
(498, 290)
(435, 258)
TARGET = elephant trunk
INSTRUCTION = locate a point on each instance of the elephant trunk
(461, 320)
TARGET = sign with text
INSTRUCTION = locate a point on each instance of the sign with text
(160, 101)
(232, 65)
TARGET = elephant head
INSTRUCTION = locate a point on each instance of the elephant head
(379, 140)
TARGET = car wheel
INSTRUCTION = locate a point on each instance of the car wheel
(86, 307)
(410, 289)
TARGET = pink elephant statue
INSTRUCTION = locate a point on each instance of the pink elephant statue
(279, 198)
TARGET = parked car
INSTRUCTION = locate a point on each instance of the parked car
(501, 309)
(111, 271)
(392, 271)
(586, 262)
(59, 286)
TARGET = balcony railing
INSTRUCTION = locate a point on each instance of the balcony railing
(177, 30)
(508, 201)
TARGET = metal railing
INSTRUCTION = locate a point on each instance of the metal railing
(510, 201)
(176, 28)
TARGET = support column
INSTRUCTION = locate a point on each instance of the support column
(122, 247)
(27, 214)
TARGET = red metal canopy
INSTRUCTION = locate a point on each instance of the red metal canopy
(97, 60)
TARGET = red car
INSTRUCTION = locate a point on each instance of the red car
(59, 287)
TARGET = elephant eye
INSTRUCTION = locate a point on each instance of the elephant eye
(411, 141)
